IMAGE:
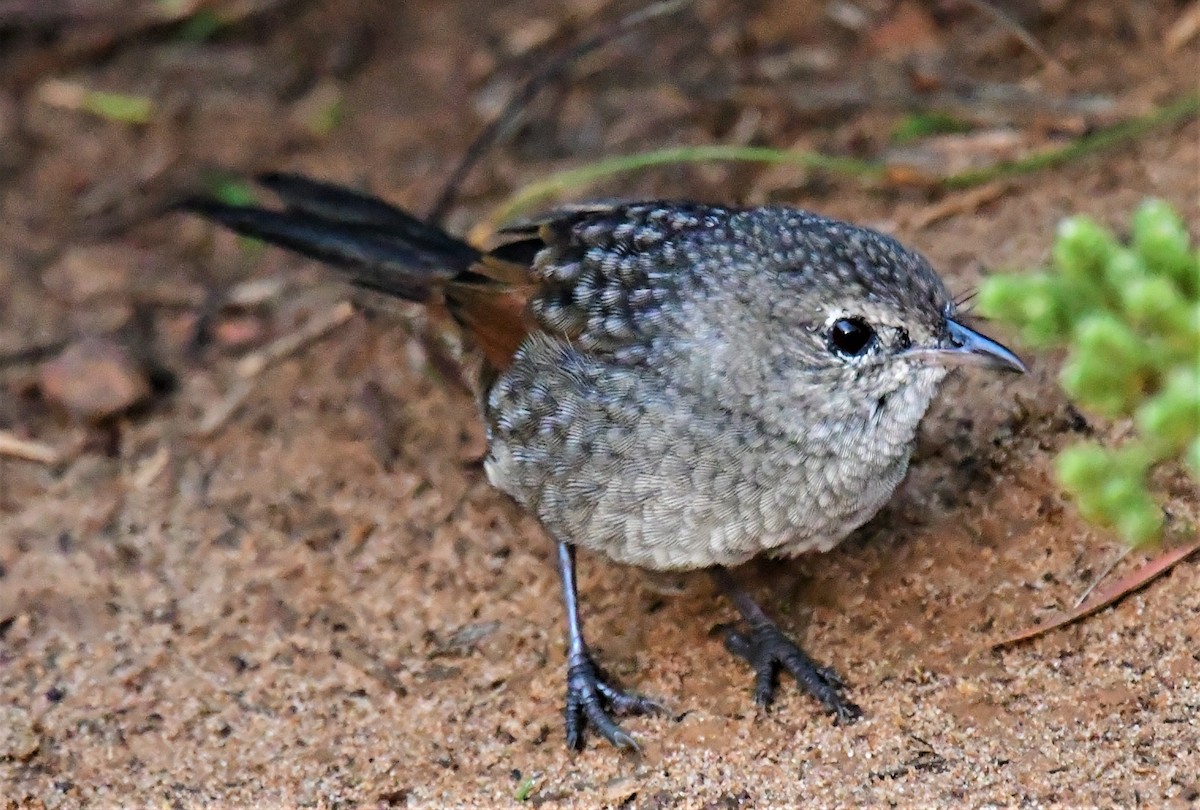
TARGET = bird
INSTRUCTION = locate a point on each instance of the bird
(672, 385)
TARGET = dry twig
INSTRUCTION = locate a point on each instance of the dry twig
(1121, 588)
(1017, 30)
(27, 449)
(219, 414)
(1108, 569)
(516, 105)
(252, 366)
(255, 364)
(1185, 28)
(965, 203)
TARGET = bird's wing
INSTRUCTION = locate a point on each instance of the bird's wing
(604, 270)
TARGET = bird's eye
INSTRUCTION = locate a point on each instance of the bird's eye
(851, 336)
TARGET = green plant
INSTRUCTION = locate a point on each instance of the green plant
(1129, 316)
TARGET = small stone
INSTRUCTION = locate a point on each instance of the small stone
(94, 379)
(18, 740)
(83, 273)
(619, 790)
(240, 331)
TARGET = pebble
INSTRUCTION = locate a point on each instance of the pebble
(94, 379)
(18, 740)
(83, 273)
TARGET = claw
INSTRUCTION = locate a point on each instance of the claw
(590, 697)
(736, 641)
(768, 650)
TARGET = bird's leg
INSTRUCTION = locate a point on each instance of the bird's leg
(590, 694)
(768, 649)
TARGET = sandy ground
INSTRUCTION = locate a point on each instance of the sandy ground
(323, 604)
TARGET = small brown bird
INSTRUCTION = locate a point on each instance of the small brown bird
(674, 385)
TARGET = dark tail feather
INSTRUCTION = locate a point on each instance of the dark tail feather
(338, 204)
(377, 246)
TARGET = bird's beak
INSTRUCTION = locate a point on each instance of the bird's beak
(966, 347)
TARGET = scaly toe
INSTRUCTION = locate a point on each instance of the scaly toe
(590, 697)
(768, 650)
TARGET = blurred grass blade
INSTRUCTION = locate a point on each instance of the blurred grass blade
(556, 184)
(120, 107)
(561, 183)
(923, 124)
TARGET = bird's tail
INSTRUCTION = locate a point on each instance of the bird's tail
(379, 247)
(374, 244)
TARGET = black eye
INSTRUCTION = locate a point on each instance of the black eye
(851, 336)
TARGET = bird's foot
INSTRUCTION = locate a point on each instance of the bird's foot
(590, 698)
(768, 650)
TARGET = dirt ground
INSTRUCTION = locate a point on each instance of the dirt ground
(319, 602)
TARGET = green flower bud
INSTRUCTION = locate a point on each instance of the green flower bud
(1130, 319)
(1091, 384)
(1083, 248)
(1172, 418)
(1121, 494)
(1003, 297)
(1106, 369)
(1161, 239)
(1155, 305)
(1140, 523)
(1083, 467)
(1123, 268)
(1193, 457)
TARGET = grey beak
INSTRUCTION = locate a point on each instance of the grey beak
(969, 348)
